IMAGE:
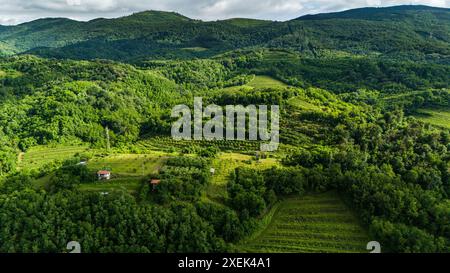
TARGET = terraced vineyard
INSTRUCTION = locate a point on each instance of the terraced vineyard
(315, 223)
(129, 164)
(39, 156)
(170, 144)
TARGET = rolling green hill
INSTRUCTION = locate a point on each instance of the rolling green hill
(395, 13)
(247, 23)
(364, 107)
(417, 32)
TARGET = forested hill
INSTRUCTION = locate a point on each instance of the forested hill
(413, 32)
(384, 14)
(364, 154)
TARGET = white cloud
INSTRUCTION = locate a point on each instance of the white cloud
(73, 2)
(15, 11)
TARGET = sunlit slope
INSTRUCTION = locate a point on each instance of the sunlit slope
(314, 223)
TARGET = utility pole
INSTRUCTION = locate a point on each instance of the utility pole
(108, 144)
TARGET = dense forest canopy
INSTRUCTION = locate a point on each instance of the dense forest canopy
(365, 109)
(408, 32)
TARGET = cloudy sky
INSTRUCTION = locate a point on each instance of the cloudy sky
(18, 11)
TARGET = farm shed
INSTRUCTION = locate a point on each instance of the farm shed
(104, 175)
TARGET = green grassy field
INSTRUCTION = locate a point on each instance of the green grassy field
(437, 117)
(128, 164)
(276, 55)
(195, 49)
(225, 165)
(300, 103)
(129, 184)
(314, 223)
(258, 81)
(10, 74)
(265, 82)
(38, 156)
(127, 169)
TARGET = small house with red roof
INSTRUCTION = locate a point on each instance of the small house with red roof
(104, 175)
(154, 183)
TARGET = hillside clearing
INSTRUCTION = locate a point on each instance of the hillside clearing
(314, 223)
(38, 156)
(225, 165)
(261, 81)
(437, 117)
(301, 103)
(258, 81)
(128, 164)
(195, 49)
(130, 185)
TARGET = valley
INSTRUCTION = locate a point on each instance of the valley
(87, 152)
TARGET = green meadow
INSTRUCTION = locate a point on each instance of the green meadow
(39, 156)
(261, 81)
(303, 104)
(224, 166)
(127, 184)
(435, 116)
(128, 170)
(126, 165)
(258, 81)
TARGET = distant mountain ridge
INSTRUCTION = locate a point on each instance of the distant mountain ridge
(374, 12)
(418, 31)
(155, 15)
